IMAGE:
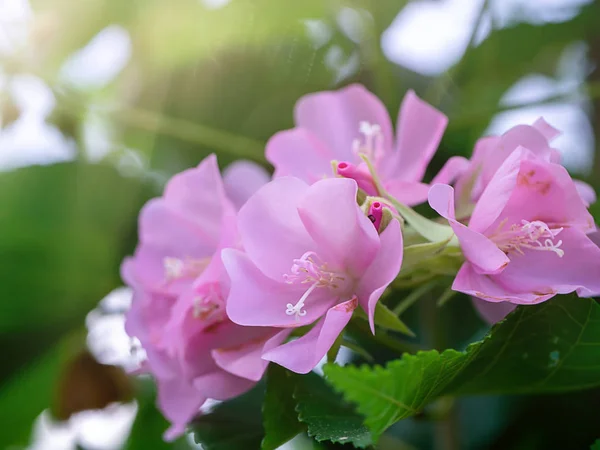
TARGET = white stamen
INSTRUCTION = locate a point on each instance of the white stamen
(297, 308)
(535, 235)
(372, 147)
(309, 268)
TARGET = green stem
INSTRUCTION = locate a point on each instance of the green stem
(411, 298)
(238, 146)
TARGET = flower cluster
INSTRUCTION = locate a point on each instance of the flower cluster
(234, 272)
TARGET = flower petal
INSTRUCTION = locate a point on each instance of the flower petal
(334, 117)
(221, 385)
(382, 271)
(492, 312)
(257, 300)
(586, 192)
(488, 287)
(478, 249)
(242, 179)
(496, 194)
(544, 271)
(345, 238)
(272, 233)
(545, 191)
(301, 154)
(246, 360)
(407, 192)
(303, 354)
(419, 131)
(198, 195)
(547, 130)
(179, 401)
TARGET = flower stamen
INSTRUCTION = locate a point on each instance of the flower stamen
(534, 235)
(310, 269)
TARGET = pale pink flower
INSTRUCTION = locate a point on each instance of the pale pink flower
(178, 312)
(491, 151)
(345, 124)
(311, 254)
(526, 239)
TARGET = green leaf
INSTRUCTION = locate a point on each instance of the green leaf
(328, 416)
(595, 445)
(280, 419)
(552, 347)
(233, 424)
(385, 318)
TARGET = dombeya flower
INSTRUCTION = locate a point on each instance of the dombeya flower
(526, 240)
(341, 126)
(310, 255)
(178, 312)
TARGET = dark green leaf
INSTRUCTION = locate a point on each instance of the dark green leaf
(552, 347)
(280, 419)
(328, 416)
(595, 445)
(232, 425)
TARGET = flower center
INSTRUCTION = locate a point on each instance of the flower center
(535, 235)
(371, 144)
(176, 268)
(310, 269)
(209, 305)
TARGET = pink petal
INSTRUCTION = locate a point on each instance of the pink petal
(198, 195)
(221, 385)
(545, 191)
(246, 360)
(452, 170)
(419, 131)
(477, 248)
(272, 233)
(334, 118)
(179, 401)
(524, 136)
(345, 238)
(494, 198)
(547, 130)
(303, 354)
(492, 312)
(382, 271)
(407, 192)
(488, 287)
(586, 192)
(166, 234)
(301, 154)
(544, 271)
(257, 300)
(242, 179)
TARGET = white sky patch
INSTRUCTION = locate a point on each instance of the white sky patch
(30, 140)
(100, 61)
(429, 36)
(15, 17)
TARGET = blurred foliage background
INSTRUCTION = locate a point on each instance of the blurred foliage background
(102, 100)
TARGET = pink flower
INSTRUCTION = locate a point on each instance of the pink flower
(242, 179)
(526, 240)
(491, 151)
(345, 124)
(311, 254)
(178, 313)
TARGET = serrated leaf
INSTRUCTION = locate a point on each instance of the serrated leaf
(327, 415)
(552, 347)
(280, 419)
(233, 424)
(385, 318)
